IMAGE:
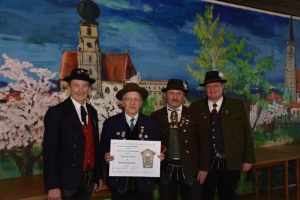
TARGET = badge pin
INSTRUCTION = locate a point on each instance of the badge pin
(118, 133)
(146, 136)
(140, 135)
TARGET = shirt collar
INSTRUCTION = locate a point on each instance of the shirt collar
(128, 118)
(77, 105)
(219, 103)
(178, 109)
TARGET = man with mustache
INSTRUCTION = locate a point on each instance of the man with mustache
(187, 143)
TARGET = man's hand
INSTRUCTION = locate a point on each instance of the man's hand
(161, 157)
(98, 187)
(246, 167)
(202, 176)
(108, 157)
(54, 194)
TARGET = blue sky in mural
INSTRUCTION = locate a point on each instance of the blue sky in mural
(158, 33)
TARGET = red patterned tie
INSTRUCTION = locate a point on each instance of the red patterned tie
(214, 112)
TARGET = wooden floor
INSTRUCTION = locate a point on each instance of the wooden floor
(277, 194)
(31, 188)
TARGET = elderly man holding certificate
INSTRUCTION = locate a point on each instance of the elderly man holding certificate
(134, 126)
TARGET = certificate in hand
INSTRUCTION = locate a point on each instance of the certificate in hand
(135, 158)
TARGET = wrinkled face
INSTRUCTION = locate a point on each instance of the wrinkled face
(175, 98)
(79, 90)
(132, 101)
(214, 91)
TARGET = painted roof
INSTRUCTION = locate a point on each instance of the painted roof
(114, 66)
(274, 96)
(15, 95)
(294, 104)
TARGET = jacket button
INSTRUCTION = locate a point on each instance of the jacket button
(73, 165)
(76, 136)
(74, 155)
(186, 141)
(117, 179)
(187, 151)
(148, 182)
(75, 145)
(184, 130)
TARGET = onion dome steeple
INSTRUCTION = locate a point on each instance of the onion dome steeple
(89, 11)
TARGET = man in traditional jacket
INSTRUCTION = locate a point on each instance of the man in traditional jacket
(187, 143)
(129, 125)
(228, 122)
(72, 166)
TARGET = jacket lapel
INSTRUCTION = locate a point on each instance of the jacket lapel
(206, 114)
(224, 112)
(71, 114)
(163, 118)
(93, 118)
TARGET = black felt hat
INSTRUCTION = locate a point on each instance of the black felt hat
(80, 74)
(176, 84)
(132, 87)
(212, 77)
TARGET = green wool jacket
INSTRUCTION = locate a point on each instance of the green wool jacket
(236, 127)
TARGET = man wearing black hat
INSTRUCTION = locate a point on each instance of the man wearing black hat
(229, 126)
(129, 125)
(72, 166)
(188, 146)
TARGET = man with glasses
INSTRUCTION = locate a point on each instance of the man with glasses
(129, 125)
(188, 146)
(232, 142)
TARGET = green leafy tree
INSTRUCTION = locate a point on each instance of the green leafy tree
(226, 53)
(148, 105)
(211, 39)
(286, 94)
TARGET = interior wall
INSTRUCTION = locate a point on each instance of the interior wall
(160, 39)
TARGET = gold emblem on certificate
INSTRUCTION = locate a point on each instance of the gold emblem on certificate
(148, 156)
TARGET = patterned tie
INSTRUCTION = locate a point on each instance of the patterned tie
(132, 124)
(214, 111)
(174, 116)
(83, 115)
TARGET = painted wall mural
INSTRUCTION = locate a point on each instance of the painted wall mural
(146, 42)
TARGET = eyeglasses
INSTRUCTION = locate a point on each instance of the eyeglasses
(131, 99)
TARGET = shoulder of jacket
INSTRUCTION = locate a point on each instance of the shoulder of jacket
(158, 111)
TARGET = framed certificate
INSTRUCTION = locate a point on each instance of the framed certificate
(135, 158)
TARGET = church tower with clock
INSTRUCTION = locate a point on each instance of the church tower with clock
(89, 52)
(290, 65)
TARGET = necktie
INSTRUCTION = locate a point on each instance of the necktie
(132, 124)
(214, 111)
(83, 115)
(174, 116)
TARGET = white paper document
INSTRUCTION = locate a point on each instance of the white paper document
(135, 158)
